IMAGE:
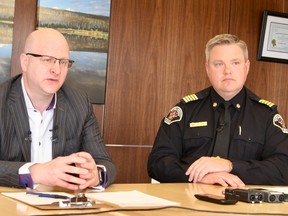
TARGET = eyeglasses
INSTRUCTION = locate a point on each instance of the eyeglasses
(50, 60)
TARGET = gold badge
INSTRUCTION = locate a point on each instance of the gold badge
(198, 124)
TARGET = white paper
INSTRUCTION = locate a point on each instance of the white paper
(130, 199)
(35, 200)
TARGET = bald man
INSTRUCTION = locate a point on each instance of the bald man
(49, 134)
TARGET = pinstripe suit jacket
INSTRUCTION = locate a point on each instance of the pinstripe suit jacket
(75, 129)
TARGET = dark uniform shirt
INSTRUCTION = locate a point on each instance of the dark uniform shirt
(258, 142)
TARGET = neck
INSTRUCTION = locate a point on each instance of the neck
(41, 104)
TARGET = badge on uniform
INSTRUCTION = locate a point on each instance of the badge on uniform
(174, 115)
(278, 121)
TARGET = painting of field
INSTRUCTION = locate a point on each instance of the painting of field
(6, 32)
(85, 24)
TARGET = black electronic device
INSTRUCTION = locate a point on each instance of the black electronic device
(215, 199)
(245, 195)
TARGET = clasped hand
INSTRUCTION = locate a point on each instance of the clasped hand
(70, 172)
(212, 170)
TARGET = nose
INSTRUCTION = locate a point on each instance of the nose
(227, 69)
(56, 68)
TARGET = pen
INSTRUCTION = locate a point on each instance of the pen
(55, 196)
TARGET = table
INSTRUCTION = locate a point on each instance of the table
(177, 192)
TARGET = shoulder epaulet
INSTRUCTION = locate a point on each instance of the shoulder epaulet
(254, 97)
(197, 96)
(268, 103)
(189, 98)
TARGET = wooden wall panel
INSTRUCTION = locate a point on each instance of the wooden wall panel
(265, 78)
(24, 24)
(156, 56)
(131, 163)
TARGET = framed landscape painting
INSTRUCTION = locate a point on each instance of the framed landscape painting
(85, 24)
(6, 32)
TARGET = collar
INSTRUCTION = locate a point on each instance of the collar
(28, 102)
(237, 101)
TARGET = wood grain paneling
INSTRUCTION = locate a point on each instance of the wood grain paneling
(132, 166)
(265, 78)
(156, 56)
(24, 24)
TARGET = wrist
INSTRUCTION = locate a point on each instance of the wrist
(230, 166)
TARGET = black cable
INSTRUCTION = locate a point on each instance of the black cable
(162, 208)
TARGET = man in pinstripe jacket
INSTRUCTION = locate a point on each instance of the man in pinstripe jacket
(48, 132)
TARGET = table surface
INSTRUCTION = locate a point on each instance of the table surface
(177, 192)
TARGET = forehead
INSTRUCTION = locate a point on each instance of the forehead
(226, 51)
(51, 43)
(50, 46)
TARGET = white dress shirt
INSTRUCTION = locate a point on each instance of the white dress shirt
(40, 133)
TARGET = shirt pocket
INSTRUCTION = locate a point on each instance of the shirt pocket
(247, 146)
(195, 137)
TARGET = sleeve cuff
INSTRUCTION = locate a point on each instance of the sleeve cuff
(25, 179)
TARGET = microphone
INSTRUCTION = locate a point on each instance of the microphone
(54, 137)
(220, 125)
(28, 137)
(54, 129)
(220, 128)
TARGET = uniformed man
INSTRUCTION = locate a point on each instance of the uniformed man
(188, 147)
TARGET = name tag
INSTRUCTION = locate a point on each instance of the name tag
(198, 124)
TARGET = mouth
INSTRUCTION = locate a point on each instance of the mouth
(227, 79)
(51, 79)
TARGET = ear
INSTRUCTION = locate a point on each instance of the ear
(247, 65)
(24, 62)
(207, 68)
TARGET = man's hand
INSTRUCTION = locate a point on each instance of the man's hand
(206, 165)
(61, 172)
(223, 178)
(91, 177)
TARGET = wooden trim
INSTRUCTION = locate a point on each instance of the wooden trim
(24, 24)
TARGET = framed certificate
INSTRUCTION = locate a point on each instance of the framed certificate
(273, 45)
